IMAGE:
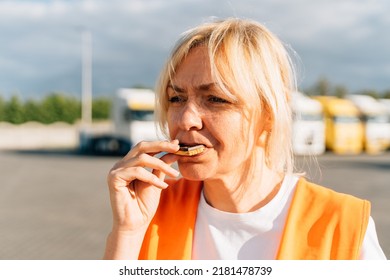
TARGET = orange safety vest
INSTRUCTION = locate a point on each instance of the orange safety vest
(321, 224)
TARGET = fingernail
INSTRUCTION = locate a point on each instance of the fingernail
(175, 173)
(160, 183)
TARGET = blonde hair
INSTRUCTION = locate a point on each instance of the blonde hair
(251, 65)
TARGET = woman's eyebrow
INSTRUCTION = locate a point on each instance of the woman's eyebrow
(201, 87)
(176, 88)
(208, 86)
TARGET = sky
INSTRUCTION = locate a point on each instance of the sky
(345, 41)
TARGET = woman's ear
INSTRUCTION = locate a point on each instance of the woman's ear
(265, 132)
(262, 140)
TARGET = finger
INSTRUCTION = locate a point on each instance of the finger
(168, 159)
(154, 147)
(124, 176)
(148, 161)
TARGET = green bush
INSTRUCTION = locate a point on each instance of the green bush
(14, 111)
(101, 108)
(55, 107)
(33, 111)
(2, 106)
(58, 107)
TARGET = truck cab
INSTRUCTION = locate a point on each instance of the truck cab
(386, 104)
(133, 115)
(308, 131)
(376, 122)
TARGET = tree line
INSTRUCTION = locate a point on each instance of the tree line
(60, 107)
(324, 87)
(55, 107)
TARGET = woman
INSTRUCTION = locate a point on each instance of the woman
(225, 89)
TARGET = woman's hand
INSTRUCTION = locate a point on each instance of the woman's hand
(135, 185)
(135, 190)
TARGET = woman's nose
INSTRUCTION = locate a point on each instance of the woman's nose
(190, 118)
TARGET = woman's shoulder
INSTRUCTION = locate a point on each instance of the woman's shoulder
(316, 192)
(323, 201)
(319, 214)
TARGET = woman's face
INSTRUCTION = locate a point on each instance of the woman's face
(199, 113)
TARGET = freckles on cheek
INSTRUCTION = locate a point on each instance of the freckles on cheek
(229, 130)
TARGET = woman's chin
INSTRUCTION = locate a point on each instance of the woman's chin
(194, 173)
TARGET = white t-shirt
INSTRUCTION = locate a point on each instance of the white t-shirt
(257, 234)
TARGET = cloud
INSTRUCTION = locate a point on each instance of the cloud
(41, 40)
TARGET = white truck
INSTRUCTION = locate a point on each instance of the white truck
(376, 122)
(132, 117)
(308, 130)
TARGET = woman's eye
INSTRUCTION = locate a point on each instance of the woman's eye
(216, 99)
(175, 99)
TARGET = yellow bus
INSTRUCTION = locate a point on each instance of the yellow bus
(344, 131)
